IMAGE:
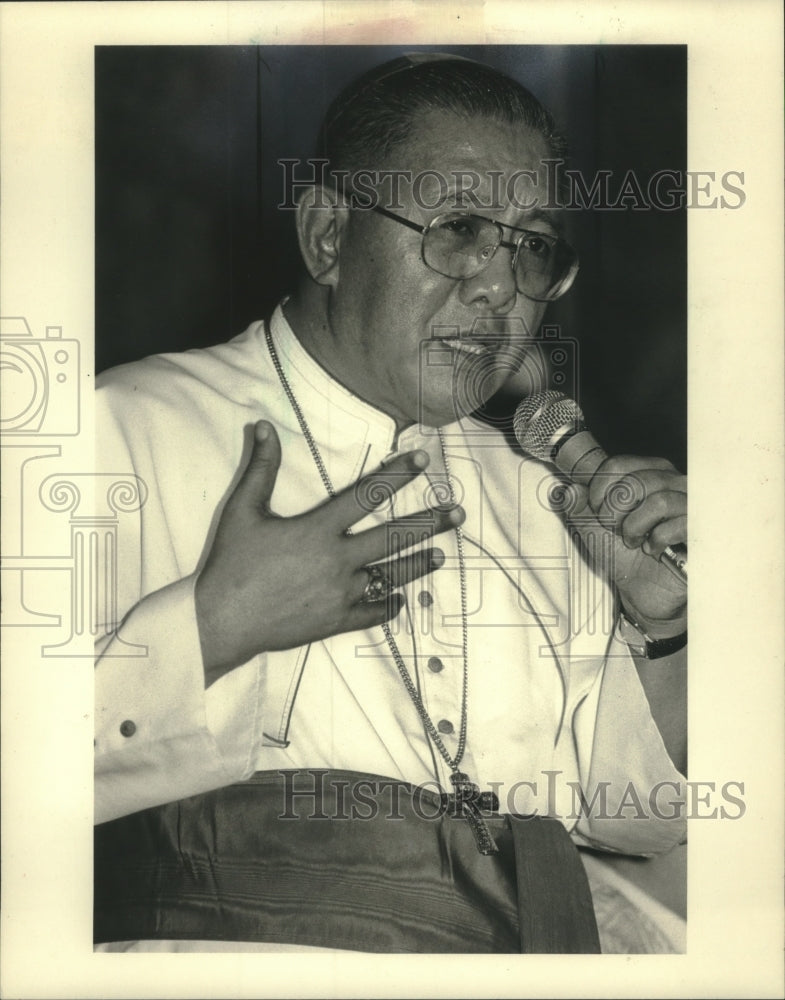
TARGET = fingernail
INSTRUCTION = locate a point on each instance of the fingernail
(420, 459)
(456, 516)
(437, 558)
(262, 431)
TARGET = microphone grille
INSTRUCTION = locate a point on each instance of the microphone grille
(544, 417)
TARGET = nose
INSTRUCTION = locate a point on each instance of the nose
(494, 287)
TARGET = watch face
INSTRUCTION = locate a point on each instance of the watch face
(637, 640)
(642, 645)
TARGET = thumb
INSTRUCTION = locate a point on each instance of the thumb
(257, 482)
(571, 500)
(568, 498)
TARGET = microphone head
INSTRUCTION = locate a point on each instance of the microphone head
(543, 420)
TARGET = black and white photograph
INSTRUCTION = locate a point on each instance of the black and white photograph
(370, 590)
(371, 575)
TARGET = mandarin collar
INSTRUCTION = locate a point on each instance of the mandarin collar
(313, 386)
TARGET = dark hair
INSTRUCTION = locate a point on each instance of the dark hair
(375, 114)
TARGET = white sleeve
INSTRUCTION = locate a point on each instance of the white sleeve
(159, 735)
(153, 741)
(639, 795)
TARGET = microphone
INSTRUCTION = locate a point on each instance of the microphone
(549, 426)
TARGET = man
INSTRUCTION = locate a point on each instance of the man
(292, 634)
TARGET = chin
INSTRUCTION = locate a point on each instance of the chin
(445, 400)
(442, 413)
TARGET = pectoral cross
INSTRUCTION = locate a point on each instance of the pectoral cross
(468, 802)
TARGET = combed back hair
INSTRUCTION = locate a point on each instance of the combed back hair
(372, 117)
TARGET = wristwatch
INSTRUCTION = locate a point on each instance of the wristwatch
(641, 644)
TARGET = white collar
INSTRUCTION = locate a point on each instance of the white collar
(313, 387)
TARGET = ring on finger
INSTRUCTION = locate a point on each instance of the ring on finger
(378, 586)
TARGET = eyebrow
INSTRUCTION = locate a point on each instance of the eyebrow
(535, 215)
(531, 215)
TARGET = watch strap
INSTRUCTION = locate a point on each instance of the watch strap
(642, 644)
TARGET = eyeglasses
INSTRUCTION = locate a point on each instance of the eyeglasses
(460, 246)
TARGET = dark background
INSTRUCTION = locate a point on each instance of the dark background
(190, 246)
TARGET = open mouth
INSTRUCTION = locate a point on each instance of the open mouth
(466, 346)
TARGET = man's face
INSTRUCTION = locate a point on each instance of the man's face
(418, 345)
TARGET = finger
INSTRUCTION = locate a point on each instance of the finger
(660, 506)
(616, 498)
(256, 484)
(670, 532)
(369, 493)
(368, 615)
(412, 567)
(403, 533)
(616, 468)
(401, 571)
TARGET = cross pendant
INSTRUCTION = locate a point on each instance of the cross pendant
(467, 801)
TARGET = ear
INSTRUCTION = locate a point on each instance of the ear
(321, 221)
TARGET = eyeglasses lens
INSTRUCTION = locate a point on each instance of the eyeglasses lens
(460, 246)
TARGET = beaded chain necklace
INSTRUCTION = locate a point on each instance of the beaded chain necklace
(466, 799)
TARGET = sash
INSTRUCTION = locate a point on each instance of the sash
(339, 859)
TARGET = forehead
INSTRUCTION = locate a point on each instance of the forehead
(462, 151)
(449, 136)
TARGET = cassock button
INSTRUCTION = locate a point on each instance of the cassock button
(425, 597)
(435, 665)
(445, 726)
(127, 728)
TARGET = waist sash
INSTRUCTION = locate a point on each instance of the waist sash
(339, 859)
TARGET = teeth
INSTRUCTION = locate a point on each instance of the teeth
(465, 345)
